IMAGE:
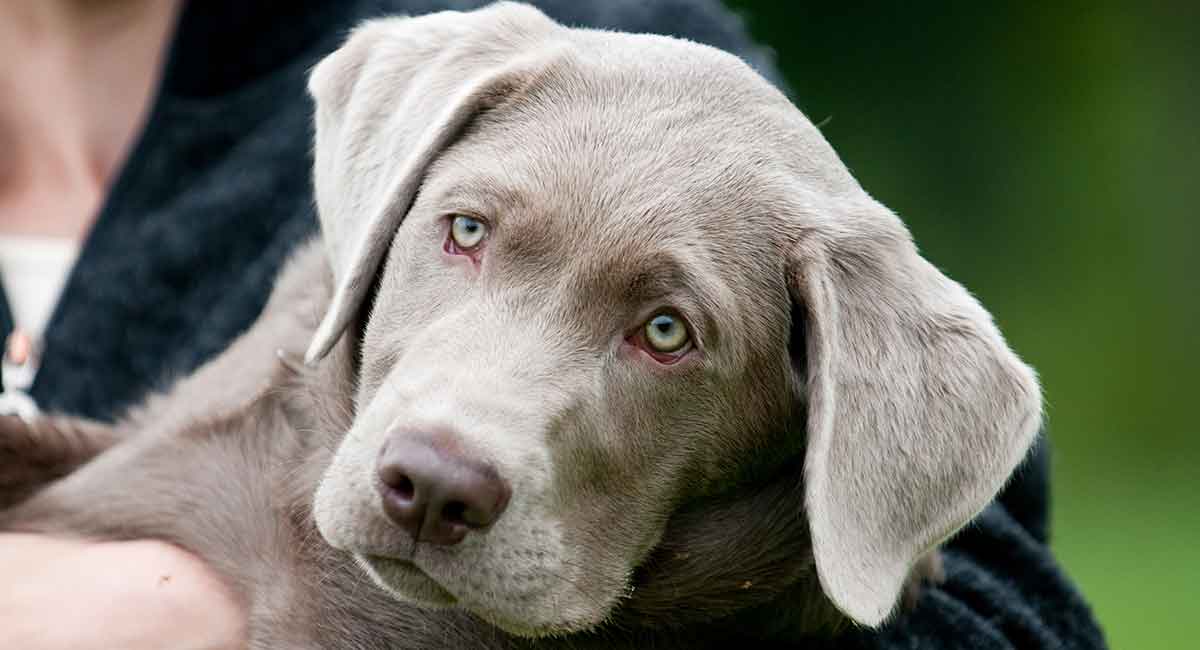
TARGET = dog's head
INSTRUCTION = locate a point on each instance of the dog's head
(617, 276)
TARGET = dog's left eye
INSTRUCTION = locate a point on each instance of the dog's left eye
(666, 338)
(666, 333)
(467, 233)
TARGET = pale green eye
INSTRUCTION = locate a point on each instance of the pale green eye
(666, 333)
(467, 232)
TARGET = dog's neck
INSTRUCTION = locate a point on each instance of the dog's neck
(740, 561)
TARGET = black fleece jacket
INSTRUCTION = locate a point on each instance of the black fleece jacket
(216, 193)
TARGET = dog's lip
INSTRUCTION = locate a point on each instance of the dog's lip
(397, 562)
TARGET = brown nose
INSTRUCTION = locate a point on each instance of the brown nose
(435, 492)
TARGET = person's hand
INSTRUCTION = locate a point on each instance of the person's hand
(60, 593)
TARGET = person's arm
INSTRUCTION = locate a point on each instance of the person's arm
(78, 595)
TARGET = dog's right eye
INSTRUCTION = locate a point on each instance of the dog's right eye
(467, 232)
(466, 236)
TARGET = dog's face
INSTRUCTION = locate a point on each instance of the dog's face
(615, 343)
(633, 277)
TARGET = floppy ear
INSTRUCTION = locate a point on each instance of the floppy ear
(388, 102)
(917, 409)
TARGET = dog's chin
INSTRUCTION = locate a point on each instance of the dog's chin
(407, 583)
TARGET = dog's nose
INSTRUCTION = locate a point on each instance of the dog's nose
(435, 492)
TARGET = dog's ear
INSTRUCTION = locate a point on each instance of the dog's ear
(388, 102)
(917, 411)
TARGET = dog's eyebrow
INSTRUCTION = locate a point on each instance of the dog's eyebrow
(482, 194)
(658, 275)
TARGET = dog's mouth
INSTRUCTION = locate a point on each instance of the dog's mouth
(405, 581)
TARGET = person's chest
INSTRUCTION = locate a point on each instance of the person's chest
(184, 250)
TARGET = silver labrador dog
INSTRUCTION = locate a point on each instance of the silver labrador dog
(604, 346)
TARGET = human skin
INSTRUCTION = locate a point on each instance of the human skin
(76, 77)
(61, 593)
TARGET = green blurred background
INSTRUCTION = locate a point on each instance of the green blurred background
(1048, 157)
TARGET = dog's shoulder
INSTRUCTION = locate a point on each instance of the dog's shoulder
(265, 357)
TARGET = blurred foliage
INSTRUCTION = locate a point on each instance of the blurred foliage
(1047, 155)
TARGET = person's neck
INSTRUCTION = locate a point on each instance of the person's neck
(76, 77)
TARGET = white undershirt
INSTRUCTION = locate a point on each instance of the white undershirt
(33, 271)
